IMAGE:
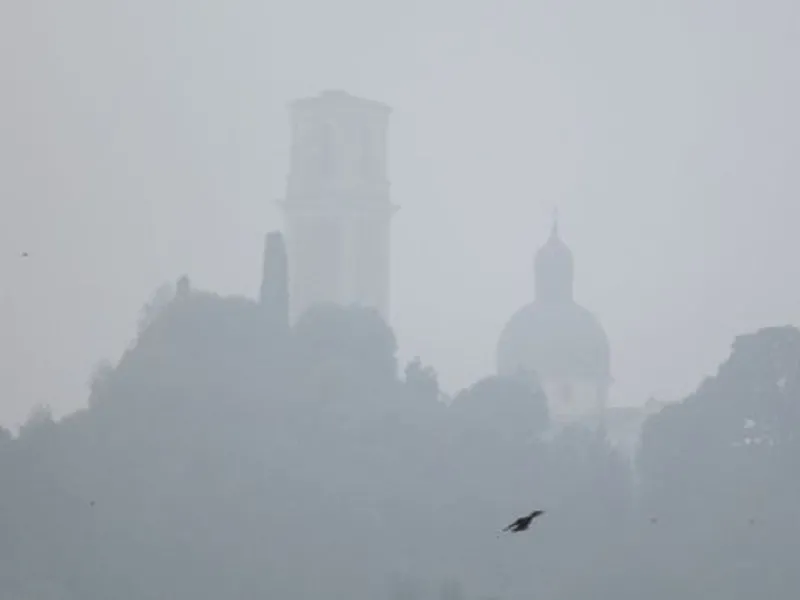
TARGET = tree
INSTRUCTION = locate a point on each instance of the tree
(512, 407)
(720, 471)
(421, 381)
(40, 419)
(331, 333)
(160, 299)
(736, 433)
(99, 381)
(451, 590)
(405, 588)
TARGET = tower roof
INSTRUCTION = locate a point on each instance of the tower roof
(338, 100)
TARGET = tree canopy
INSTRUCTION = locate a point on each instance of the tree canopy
(224, 456)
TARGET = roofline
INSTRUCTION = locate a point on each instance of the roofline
(340, 98)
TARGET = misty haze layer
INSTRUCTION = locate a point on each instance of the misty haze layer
(140, 142)
(230, 456)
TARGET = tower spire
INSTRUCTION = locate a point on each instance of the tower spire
(274, 295)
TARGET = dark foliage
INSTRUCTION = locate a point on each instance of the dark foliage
(228, 457)
(719, 474)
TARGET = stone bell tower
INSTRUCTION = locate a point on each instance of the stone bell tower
(337, 208)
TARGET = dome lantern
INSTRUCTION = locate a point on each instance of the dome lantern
(553, 269)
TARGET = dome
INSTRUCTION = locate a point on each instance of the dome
(556, 341)
(554, 336)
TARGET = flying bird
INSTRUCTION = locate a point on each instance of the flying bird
(24, 255)
(523, 523)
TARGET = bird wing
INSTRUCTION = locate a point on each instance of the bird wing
(513, 525)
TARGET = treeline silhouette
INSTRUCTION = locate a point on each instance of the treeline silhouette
(229, 456)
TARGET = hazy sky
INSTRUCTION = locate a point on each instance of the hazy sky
(141, 140)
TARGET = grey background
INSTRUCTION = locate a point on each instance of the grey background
(139, 141)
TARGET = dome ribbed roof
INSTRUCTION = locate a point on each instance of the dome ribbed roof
(561, 340)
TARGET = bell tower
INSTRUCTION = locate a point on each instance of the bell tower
(337, 208)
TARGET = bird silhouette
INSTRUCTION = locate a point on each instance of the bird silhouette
(523, 523)
(24, 255)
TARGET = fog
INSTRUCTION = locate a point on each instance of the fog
(197, 442)
(229, 455)
(142, 142)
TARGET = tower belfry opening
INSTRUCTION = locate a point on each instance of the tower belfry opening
(337, 206)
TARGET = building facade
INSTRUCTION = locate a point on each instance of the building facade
(337, 207)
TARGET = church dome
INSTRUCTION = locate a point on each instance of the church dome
(554, 336)
(556, 341)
